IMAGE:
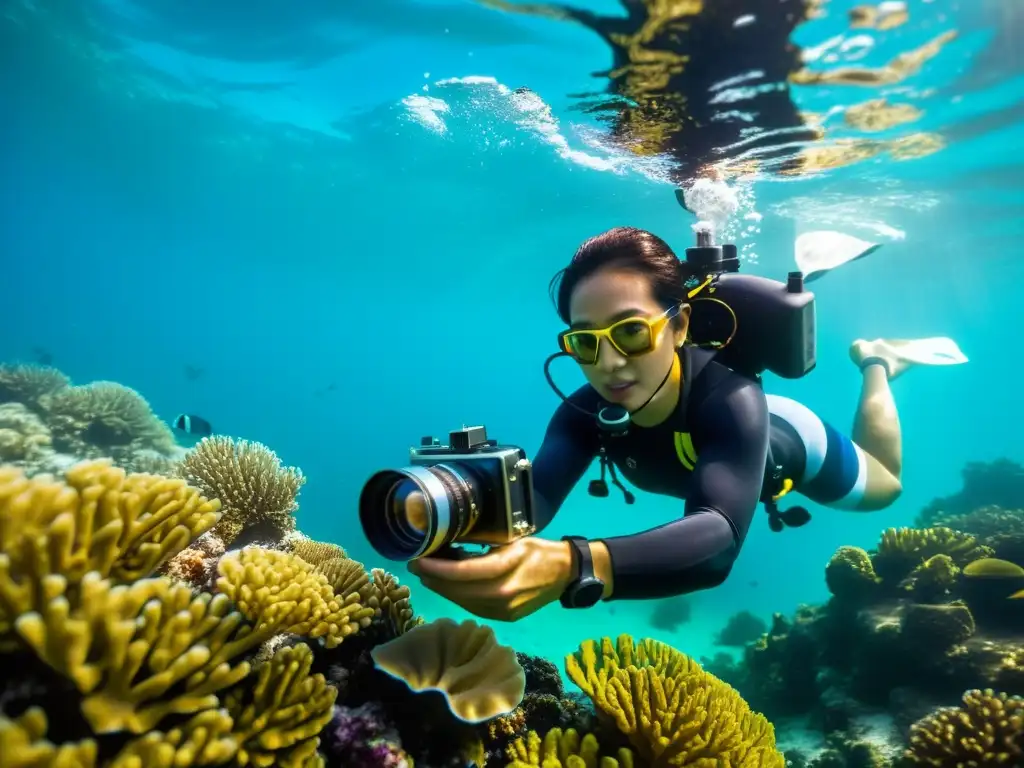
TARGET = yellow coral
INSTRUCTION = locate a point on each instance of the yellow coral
(23, 744)
(987, 730)
(900, 550)
(564, 750)
(205, 739)
(479, 678)
(99, 520)
(250, 482)
(674, 713)
(278, 592)
(391, 603)
(315, 552)
(345, 576)
(278, 720)
(849, 574)
(138, 652)
(933, 579)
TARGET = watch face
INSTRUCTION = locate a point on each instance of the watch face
(588, 593)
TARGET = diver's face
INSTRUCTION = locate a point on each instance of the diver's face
(611, 295)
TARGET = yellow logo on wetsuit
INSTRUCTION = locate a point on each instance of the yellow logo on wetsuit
(685, 450)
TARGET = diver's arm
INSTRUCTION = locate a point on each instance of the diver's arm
(698, 551)
(569, 447)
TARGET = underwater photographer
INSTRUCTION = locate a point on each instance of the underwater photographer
(673, 351)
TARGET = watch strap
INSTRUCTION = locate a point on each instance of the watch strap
(582, 559)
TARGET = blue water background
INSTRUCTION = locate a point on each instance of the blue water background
(155, 215)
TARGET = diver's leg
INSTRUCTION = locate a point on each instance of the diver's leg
(833, 470)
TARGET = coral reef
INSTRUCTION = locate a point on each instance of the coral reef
(159, 608)
(912, 624)
(47, 424)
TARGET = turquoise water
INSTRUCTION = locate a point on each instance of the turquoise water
(346, 222)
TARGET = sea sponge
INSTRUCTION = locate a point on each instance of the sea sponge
(106, 419)
(250, 482)
(850, 575)
(933, 580)
(23, 744)
(936, 627)
(479, 678)
(566, 749)
(278, 719)
(30, 385)
(99, 520)
(901, 550)
(674, 713)
(987, 730)
(278, 592)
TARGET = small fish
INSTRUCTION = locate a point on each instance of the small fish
(192, 425)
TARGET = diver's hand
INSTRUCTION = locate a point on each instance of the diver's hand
(507, 583)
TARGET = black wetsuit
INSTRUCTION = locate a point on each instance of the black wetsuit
(726, 417)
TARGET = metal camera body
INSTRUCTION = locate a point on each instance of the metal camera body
(503, 509)
(774, 322)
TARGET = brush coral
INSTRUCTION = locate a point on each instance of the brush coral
(250, 482)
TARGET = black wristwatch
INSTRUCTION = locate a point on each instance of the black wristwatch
(585, 589)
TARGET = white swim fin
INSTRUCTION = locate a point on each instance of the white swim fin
(818, 253)
(937, 350)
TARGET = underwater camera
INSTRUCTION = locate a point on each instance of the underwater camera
(756, 323)
(471, 491)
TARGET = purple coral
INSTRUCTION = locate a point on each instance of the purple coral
(361, 737)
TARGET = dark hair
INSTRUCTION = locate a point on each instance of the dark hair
(629, 248)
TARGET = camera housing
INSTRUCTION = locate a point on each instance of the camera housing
(771, 324)
(469, 491)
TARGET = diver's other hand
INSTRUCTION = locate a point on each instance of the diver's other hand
(507, 583)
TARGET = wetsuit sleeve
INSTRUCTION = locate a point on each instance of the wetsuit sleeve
(569, 447)
(697, 552)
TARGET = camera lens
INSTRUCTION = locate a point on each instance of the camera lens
(411, 512)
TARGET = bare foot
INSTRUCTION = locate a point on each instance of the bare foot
(886, 350)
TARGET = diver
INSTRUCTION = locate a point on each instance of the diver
(697, 431)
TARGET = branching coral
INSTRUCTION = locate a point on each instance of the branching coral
(278, 719)
(23, 744)
(159, 673)
(249, 481)
(278, 593)
(674, 713)
(99, 520)
(986, 731)
(566, 749)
